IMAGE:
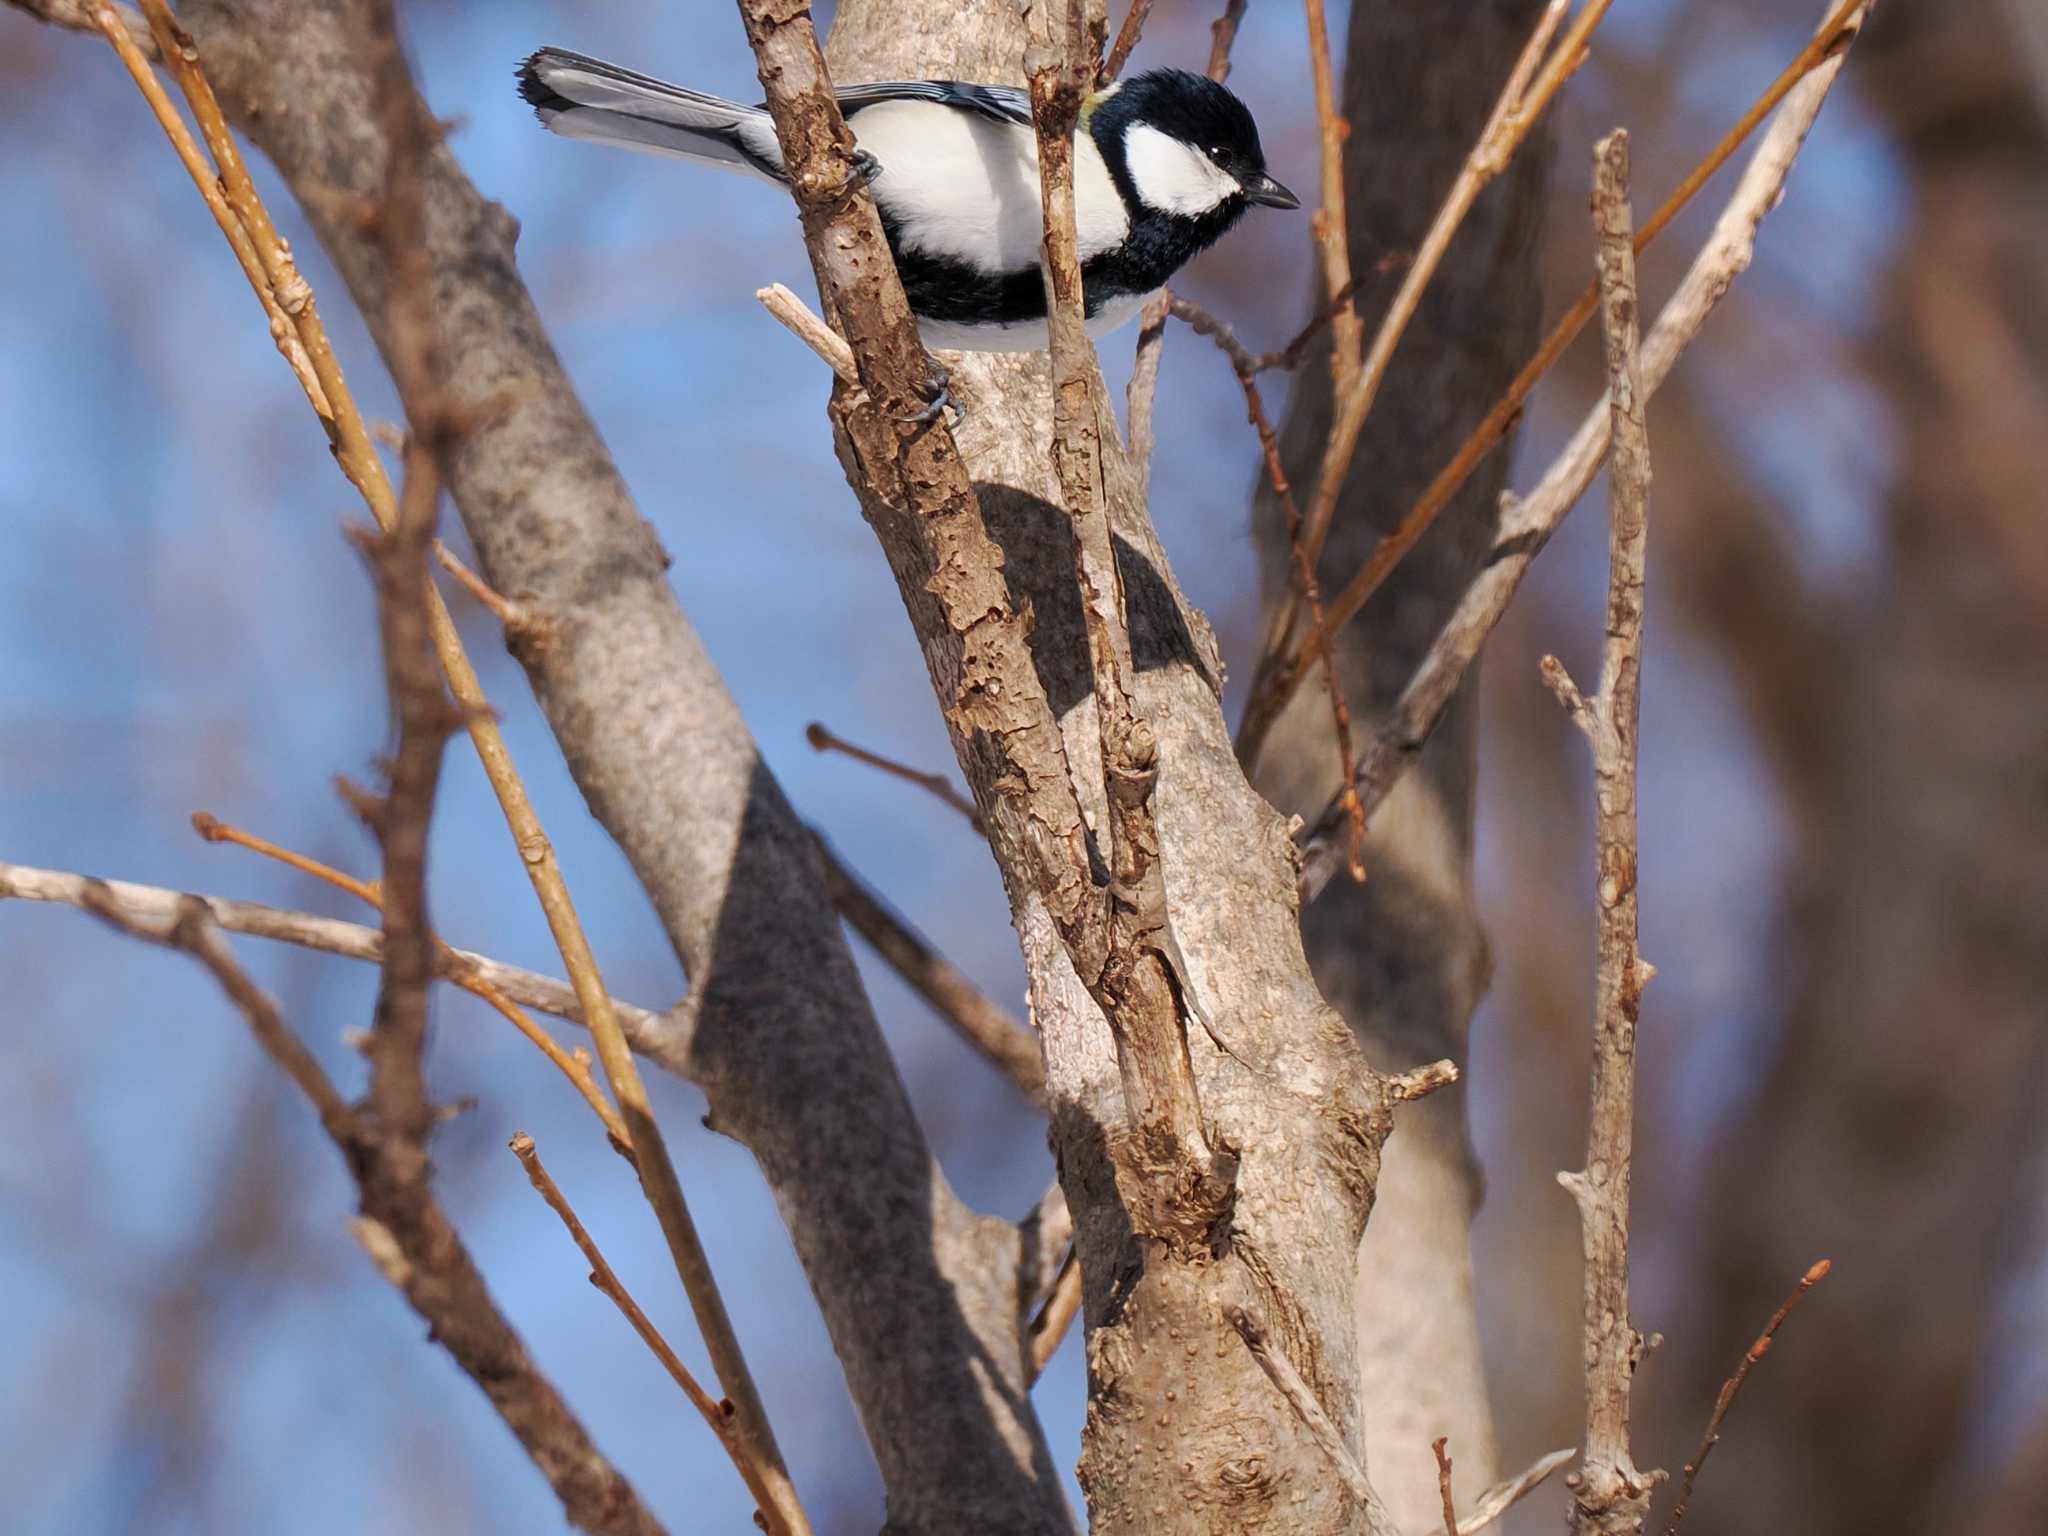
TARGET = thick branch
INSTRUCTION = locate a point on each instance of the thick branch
(1140, 984)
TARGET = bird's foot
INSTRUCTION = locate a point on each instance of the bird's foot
(865, 167)
(939, 396)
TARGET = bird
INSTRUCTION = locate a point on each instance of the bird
(1164, 164)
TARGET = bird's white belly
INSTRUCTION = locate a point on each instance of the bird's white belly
(1025, 335)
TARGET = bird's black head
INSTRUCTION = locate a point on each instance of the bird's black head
(1180, 144)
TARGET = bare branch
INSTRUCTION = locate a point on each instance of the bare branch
(1443, 1484)
(1502, 1496)
(1281, 1372)
(1279, 676)
(1222, 34)
(1611, 1497)
(802, 323)
(718, 1415)
(1138, 979)
(155, 909)
(1126, 40)
(1008, 1044)
(1331, 229)
(83, 16)
(822, 739)
(1733, 1385)
(1062, 1306)
(415, 1246)
(1520, 106)
(1527, 523)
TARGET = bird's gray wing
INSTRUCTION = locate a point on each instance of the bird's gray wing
(1003, 103)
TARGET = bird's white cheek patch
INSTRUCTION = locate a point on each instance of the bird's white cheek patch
(1174, 177)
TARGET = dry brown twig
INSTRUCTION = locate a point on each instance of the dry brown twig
(718, 1415)
(1278, 677)
(1287, 1380)
(992, 1030)
(1127, 37)
(1331, 231)
(1049, 1327)
(1532, 84)
(414, 1245)
(1527, 522)
(1443, 1483)
(286, 292)
(1726, 1398)
(453, 964)
(823, 739)
(1610, 1496)
(654, 1035)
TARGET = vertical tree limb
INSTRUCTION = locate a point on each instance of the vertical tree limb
(1611, 1497)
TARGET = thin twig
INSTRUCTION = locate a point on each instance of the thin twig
(654, 1035)
(415, 1246)
(1062, 1306)
(1126, 41)
(803, 323)
(1222, 34)
(1044, 1238)
(1144, 385)
(466, 971)
(1527, 523)
(1329, 225)
(1733, 1385)
(402, 817)
(1443, 1483)
(1281, 1372)
(1504, 1495)
(514, 618)
(1520, 105)
(1278, 679)
(822, 739)
(82, 16)
(992, 1030)
(716, 1414)
(356, 453)
(1611, 1497)
(1246, 366)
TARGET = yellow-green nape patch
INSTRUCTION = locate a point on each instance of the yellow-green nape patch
(1088, 107)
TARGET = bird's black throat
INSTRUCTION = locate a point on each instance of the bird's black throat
(949, 290)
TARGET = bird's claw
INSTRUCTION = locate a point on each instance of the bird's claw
(938, 383)
(865, 167)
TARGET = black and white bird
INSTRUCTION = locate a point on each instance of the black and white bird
(1164, 164)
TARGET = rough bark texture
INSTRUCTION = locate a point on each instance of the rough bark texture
(1403, 955)
(1185, 1433)
(1907, 1074)
(918, 1291)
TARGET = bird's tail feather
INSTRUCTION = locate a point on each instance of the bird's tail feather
(585, 98)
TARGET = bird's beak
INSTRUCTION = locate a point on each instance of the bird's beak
(1268, 192)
